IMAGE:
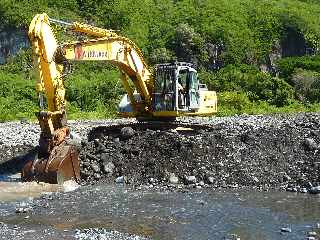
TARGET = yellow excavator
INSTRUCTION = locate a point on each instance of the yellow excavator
(170, 91)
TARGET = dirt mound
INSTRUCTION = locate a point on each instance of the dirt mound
(260, 151)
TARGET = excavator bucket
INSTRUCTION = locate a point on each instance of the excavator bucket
(60, 166)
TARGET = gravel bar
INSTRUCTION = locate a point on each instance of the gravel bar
(271, 151)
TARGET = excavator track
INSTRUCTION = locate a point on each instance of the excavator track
(115, 129)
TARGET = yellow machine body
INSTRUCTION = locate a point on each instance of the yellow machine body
(153, 95)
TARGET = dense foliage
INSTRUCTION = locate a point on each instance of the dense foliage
(228, 41)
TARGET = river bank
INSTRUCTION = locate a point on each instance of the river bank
(261, 152)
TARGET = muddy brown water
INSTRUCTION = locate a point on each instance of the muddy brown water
(12, 189)
(197, 214)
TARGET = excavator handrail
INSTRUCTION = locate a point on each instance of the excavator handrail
(60, 22)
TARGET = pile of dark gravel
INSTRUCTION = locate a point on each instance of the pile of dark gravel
(19, 140)
(255, 151)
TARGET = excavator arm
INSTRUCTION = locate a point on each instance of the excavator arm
(50, 59)
(50, 81)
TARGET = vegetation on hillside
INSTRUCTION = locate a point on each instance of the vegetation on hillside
(229, 42)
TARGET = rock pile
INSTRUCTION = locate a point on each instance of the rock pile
(258, 151)
(18, 140)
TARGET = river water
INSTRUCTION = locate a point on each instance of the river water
(155, 214)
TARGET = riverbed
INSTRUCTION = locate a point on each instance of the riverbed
(115, 211)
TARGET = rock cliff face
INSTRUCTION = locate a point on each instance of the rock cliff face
(293, 43)
(11, 41)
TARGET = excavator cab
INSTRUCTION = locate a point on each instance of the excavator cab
(176, 89)
(176, 92)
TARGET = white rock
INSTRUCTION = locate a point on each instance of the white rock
(120, 179)
(173, 179)
(191, 179)
(70, 185)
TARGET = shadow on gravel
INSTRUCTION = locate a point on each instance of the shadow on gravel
(15, 164)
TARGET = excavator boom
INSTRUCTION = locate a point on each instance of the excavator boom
(123, 53)
(57, 160)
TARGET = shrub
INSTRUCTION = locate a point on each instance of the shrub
(307, 85)
(230, 103)
(258, 86)
(287, 66)
(17, 97)
(93, 83)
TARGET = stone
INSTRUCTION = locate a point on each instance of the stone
(191, 179)
(210, 180)
(286, 229)
(120, 179)
(303, 190)
(23, 210)
(309, 185)
(102, 148)
(95, 167)
(152, 180)
(255, 179)
(291, 189)
(310, 144)
(127, 132)
(19, 210)
(85, 164)
(173, 178)
(75, 140)
(220, 164)
(315, 190)
(312, 234)
(84, 143)
(108, 167)
(24, 121)
(286, 177)
(70, 185)
(97, 176)
(105, 157)
(85, 173)
(232, 237)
